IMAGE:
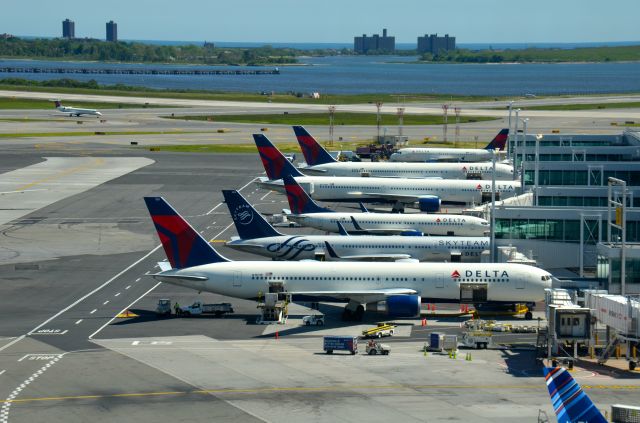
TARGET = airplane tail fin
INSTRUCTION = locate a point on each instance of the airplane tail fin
(184, 246)
(363, 208)
(499, 141)
(330, 251)
(274, 162)
(314, 153)
(569, 401)
(341, 230)
(57, 103)
(356, 225)
(249, 223)
(299, 201)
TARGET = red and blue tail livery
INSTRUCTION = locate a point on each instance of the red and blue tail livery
(183, 245)
(569, 401)
(274, 162)
(299, 201)
(314, 153)
(499, 141)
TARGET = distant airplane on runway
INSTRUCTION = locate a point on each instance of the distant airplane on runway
(75, 110)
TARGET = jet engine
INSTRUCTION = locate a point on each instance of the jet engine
(429, 204)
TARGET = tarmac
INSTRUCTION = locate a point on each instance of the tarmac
(70, 263)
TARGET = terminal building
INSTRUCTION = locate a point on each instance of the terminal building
(374, 43)
(112, 31)
(68, 29)
(434, 44)
(562, 218)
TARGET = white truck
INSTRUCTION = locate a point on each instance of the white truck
(374, 348)
(197, 308)
(313, 320)
(477, 339)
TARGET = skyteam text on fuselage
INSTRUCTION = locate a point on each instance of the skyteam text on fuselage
(257, 236)
(426, 194)
(307, 212)
(320, 162)
(397, 288)
(422, 154)
(75, 111)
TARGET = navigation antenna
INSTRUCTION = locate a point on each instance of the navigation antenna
(445, 112)
(400, 120)
(332, 112)
(378, 107)
(457, 110)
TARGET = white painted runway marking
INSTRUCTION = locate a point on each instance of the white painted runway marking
(149, 271)
(265, 196)
(93, 311)
(20, 338)
(243, 187)
(127, 287)
(78, 322)
(106, 302)
(135, 342)
(138, 280)
(2, 371)
(117, 294)
(50, 332)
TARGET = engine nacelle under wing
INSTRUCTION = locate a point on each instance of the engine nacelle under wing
(398, 306)
(429, 204)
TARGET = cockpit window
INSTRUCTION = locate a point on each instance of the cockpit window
(546, 277)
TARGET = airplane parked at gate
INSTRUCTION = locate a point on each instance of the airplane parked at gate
(569, 401)
(259, 237)
(320, 162)
(396, 289)
(75, 110)
(307, 212)
(422, 154)
(426, 194)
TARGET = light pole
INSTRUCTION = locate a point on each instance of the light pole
(515, 156)
(493, 207)
(537, 166)
(510, 136)
(378, 107)
(524, 147)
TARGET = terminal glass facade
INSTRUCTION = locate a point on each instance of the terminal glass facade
(557, 230)
(612, 265)
(581, 177)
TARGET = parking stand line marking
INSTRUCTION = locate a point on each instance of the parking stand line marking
(106, 302)
(127, 287)
(117, 294)
(93, 311)
(78, 322)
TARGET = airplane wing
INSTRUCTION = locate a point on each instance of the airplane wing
(362, 296)
(376, 257)
(392, 197)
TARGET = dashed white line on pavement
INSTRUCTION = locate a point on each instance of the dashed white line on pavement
(127, 287)
(93, 311)
(117, 294)
(78, 322)
(106, 302)
(265, 196)
(2, 371)
(138, 280)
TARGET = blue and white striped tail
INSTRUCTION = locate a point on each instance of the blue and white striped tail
(569, 401)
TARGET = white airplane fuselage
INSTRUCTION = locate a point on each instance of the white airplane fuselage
(395, 189)
(77, 111)
(412, 170)
(422, 248)
(428, 224)
(505, 282)
(441, 154)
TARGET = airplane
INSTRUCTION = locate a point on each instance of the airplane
(427, 194)
(421, 154)
(307, 212)
(257, 236)
(569, 401)
(75, 111)
(320, 162)
(395, 288)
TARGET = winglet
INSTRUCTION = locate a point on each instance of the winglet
(275, 164)
(569, 401)
(499, 141)
(363, 208)
(183, 245)
(299, 201)
(249, 223)
(314, 153)
(356, 225)
(342, 230)
(332, 253)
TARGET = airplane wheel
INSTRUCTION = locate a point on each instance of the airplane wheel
(372, 352)
(359, 313)
(632, 365)
(528, 315)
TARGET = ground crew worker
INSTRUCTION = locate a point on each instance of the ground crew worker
(176, 307)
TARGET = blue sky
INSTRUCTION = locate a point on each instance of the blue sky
(471, 21)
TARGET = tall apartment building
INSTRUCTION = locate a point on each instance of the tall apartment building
(383, 43)
(434, 44)
(68, 28)
(112, 31)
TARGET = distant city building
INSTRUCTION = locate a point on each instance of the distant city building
(434, 44)
(68, 29)
(208, 44)
(6, 36)
(378, 43)
(112, 31)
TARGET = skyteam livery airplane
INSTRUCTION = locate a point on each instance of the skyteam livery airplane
(320, 162)
(259, 237)
(307, 212)
(426, 194)
(421, 154)
(74, 110)
(395, 288)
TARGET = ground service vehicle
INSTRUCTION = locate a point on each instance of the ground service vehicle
(197, 308)
(374, 348)
(383, 329)
(313, 320)
(341, 343)
(164, 307)
(477, 339)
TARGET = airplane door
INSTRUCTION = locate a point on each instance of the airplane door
(237, 279)
(519, 283)
(440, 280)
